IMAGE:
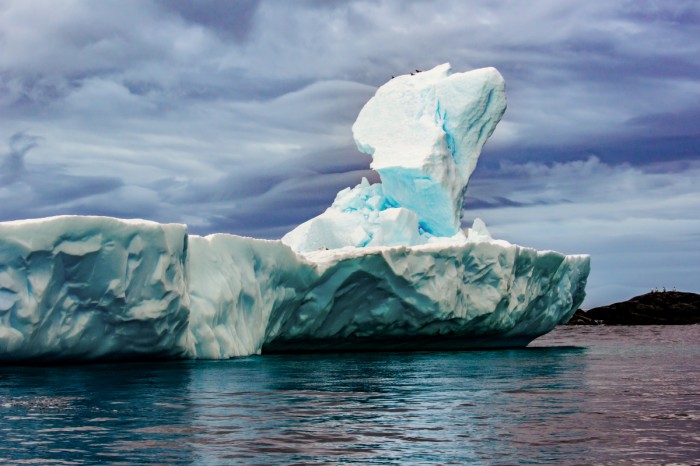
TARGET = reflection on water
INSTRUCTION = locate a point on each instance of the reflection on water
(79, 414)
(579, 395)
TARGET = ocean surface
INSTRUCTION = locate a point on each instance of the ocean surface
(579, 395)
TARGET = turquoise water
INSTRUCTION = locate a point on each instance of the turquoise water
(580, 395)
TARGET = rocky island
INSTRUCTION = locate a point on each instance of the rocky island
(654, 308)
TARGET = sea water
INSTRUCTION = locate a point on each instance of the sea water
(579, 395)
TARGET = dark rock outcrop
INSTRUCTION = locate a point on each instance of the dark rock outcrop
(655, 308)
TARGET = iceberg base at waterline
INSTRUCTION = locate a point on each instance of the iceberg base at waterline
(90, 288)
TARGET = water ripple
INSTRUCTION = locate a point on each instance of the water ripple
(604, 395)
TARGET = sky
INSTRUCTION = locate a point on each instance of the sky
(236, 117)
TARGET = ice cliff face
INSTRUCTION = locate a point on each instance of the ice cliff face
(236, 285)
(486, 294)
(385, 267)
(89, 287)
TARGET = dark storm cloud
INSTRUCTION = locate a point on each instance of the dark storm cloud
(70, 187)
(637, 150)
(233, 19)
(12, 163)
(682, 123)
(262, 217)
(253, 207)
(498, 202)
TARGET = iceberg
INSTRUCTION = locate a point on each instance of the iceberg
(425, 133)
(386, 267)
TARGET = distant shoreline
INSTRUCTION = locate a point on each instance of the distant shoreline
(654, 308)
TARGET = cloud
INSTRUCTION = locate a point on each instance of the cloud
(680, 123)
(232, 19)
(29, 190)
(210, 171)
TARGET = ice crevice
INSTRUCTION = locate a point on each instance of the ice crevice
(387, 266)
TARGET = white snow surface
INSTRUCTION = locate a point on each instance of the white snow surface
(386, 267)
